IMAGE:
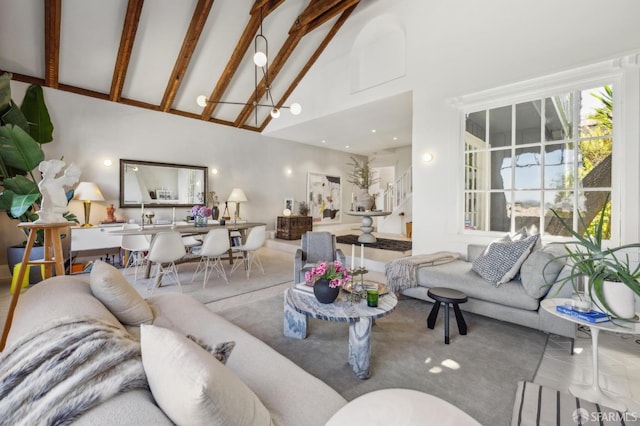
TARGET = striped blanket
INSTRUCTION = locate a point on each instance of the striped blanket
(403, 273)
(52, 376)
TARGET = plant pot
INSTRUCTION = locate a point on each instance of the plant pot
(324, 293)
(620, 298)
(14, 256)
(364, 200)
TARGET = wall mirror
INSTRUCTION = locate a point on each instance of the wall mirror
(161, 184)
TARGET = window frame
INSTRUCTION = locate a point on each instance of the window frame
(539, 89)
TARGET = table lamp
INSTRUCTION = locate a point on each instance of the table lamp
(237, 196)
(87, 192)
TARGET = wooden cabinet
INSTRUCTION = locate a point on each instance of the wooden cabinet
(293, 227)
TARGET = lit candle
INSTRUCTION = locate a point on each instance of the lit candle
(353, 256)
(362, 255)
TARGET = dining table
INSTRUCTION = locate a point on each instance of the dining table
(190, 229)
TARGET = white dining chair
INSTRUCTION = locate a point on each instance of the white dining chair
(216, 243)
(166, 248)
(137, 246)
(249, 250)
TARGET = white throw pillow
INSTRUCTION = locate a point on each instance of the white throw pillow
(194, 388)
(501, 260)
(110, 287)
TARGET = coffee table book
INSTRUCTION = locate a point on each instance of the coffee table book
(590, 316)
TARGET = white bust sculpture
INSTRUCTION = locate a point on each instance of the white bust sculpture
(54, 199)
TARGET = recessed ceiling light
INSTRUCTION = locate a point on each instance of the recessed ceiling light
(323, 141)
(107, 162)
(347, 146)
(373, 130)
(214, 171)
(395, 138)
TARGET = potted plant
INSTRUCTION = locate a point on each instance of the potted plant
(612, 282)
(363, 177)
(23, 130)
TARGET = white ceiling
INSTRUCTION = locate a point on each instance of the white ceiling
(351, 130)
(90, 33)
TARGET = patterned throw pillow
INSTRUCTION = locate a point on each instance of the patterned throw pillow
(501, 260)
(221, 352)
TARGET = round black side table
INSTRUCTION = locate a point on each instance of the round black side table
(447, 296)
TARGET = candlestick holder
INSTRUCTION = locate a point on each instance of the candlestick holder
(357, 286)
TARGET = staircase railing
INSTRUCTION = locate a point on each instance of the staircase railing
(399, 192)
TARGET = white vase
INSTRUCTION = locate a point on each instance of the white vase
(620, 298)
(364, 201)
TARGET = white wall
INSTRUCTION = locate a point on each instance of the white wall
(88, 131)
(460, 47)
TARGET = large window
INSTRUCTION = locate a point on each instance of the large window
(524, 159)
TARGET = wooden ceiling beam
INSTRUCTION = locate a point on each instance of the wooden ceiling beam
(238, 53)
(314, 57)
(327, 14)
(129, 29)
(52, 13)
(313, 10)
(198, 21)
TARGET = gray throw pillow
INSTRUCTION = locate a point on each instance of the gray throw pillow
(534, 275)
(501, 260)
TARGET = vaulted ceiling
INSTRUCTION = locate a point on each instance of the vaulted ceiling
(163, 54)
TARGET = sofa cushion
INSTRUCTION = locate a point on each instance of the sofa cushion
(459, 276)
(501, 260)
(194, 388)
(112, 288)
(534, 275)
(54, 298)
(221, 351)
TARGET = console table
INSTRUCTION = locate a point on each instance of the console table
(365, 224)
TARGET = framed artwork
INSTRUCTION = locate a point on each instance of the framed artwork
(288, 204)
(324, 194)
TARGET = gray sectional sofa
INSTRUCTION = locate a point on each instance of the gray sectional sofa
(511, 301)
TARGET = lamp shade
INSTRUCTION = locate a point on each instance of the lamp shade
(88, 191)
(237, 196)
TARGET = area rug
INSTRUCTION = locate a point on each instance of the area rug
(542, 405)
(478, 372)
(381, 243)
(278, 268)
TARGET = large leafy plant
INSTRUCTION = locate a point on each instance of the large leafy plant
(586, 256)
(23, 130)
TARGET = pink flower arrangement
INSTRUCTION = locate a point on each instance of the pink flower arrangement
(334, 272)
(199, 210)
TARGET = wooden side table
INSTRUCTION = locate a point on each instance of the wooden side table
(53, 256)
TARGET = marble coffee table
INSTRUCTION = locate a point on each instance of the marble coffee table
(299, 305)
